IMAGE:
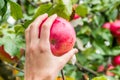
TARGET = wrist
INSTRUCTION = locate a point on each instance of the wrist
(44, 75)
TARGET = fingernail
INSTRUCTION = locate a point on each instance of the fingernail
(55, 15)
(76, 50)
(46, 14)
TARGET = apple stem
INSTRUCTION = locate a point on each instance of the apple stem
(63, 77)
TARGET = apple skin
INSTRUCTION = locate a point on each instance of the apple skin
(6, 57)
(115, 28)
(101, 68)
(62, 36)
(116, 60)
(106, 25)
(76, 16)
(110, 67)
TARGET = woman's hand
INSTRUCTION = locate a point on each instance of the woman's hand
(40, 63)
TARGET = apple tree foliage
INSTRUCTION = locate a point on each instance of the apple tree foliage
(97, 46)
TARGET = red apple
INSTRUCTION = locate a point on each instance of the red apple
(62, 36)
(106, 25)
(76, 16)
(115, 28)
(110, 67)
(101, 68)
(116, 60)
(5, 56)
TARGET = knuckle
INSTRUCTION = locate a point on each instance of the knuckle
(32, 48)
(43, 48)
(45, 26)
(31, 27)
(26, 31)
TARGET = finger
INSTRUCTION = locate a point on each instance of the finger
(27, 36)
(34, 29)
(45, 30)
(66, 57)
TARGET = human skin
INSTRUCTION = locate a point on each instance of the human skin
(40, 63)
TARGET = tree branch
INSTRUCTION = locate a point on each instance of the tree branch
(80, 67)
(62, 75)
(13, 67)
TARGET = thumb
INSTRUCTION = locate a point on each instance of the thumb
(66, 57)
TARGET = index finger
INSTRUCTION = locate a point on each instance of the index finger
(45, 29)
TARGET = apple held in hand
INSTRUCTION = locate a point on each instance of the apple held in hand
(62, 36)
(116, 60)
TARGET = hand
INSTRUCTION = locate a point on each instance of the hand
(40, 63)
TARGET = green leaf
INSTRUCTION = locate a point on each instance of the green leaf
(103, 49)
(113, 14)
(103, 35)
(81, 58)
(99, 20)
(44, 8)
(74, 1)
(27, 23)
(82, 10)
(116, 70)
(100, 78)
(19, 29)
(2, 3)
(16, 11)
(12, 45)
(3, 9)
(62, 8)
(116, 50)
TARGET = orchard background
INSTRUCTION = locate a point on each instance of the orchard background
(98, 44)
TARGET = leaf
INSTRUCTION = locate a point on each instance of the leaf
(44, 8)
(116, 50)
(81, 58)
(2, 3)
(12, 45)
(9, 46)
(100, 78)
(19, 29)
(113, 14)
(27, 23)
(74, 1)
(82, 10)
(62, 8)
(79, 44)
(3, 9)
(102, 35)
(70, 70)
(16, 11)
(116, 70)
(103, 50)
(99, 20)
(88, 52)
